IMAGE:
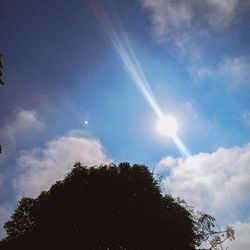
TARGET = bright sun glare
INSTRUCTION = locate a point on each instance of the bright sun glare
(168, 126)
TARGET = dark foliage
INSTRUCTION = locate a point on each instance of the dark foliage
(1, 70)
(209, 235)
(107, 207)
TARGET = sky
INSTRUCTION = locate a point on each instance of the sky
(87, 81)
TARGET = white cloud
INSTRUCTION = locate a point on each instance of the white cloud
(222, 11)
(189, 24)
(41, 167)
(202, 72)
(233, 70)
(183, 21)
(217, 182)
(236, 68)
(168, 17)
(24, 120)
(242, 239)
(174, 21)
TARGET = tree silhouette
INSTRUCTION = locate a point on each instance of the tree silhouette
(106, 207)
(210, 234)
(1, 70)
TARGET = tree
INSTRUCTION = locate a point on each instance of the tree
(110, 207)
(105, 207)
(1, 70)
(210, 234)
(23, 220)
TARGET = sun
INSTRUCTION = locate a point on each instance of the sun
(168, 126)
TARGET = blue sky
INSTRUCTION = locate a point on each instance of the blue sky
(63, 67)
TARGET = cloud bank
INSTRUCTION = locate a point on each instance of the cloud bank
(42, 167)
(192, 26)
(242, 240)
(233, 70)
(24, 120)
(183, 21)
(217, 182)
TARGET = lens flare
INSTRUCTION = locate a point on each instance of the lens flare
(121, 42)
(168, 126)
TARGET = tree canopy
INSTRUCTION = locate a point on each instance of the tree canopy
(105, 207)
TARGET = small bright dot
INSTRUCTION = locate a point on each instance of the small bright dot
(86, 122)
(167, 125)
